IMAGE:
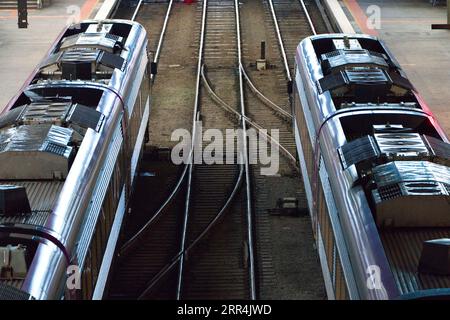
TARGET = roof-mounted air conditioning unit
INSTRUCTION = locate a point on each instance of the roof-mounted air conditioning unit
(412, 194)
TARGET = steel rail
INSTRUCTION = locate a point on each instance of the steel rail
(161, 37)
(286, 115)
(186, 208)
(163, 30)
(160, 275)
(255, 125)
(218, 99)
(280, 42)
(191, 155)
(308, 17)
(280, 38)
(130, 243)
(179, 259)
(138, 7)
(138, 235)
(244, 153)
(271, 140)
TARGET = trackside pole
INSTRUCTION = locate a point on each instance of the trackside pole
(444, 26)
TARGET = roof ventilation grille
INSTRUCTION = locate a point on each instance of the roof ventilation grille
(390, 192)
(411, 194)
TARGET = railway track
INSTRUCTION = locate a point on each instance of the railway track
(218, 268)
(294, 20)
(158, 13)
(286, 24)
(147, 238)
(200, 243)
(214, 257)
(141, 260)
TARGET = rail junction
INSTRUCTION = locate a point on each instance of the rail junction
(221, 246)
(226, 230)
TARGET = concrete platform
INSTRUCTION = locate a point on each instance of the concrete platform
(405, 25)
(22, 49)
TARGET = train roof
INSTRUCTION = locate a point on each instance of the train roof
(392, 156)
(87, 57)
(62, 123)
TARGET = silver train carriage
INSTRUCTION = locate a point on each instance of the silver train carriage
(376, 169)
(70, 144)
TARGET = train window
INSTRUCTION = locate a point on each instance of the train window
(410, 105)
(327, 45)
(365, 85)
(121, 29)
(322, 46)
(85, 96)
(359, 125)
(372, 45)
(117, 29)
